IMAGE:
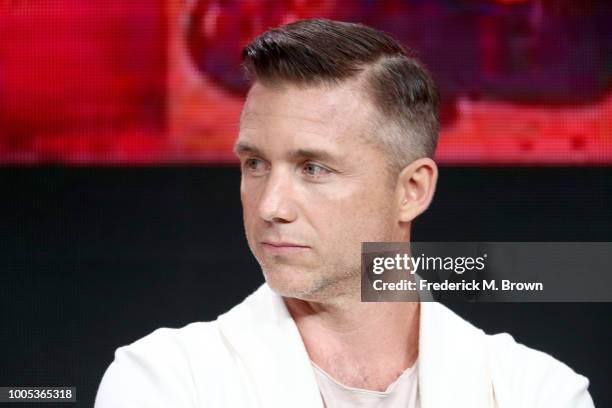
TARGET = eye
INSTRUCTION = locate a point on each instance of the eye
(315, 170)
(254, 166)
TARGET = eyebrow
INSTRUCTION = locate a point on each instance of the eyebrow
(315, 154)
(242, 147)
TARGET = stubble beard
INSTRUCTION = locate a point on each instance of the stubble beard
(324, 284)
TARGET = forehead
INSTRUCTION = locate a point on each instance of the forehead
(331, 112)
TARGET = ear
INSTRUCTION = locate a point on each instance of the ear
(415, 188)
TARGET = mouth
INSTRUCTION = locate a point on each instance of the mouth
(282, 247)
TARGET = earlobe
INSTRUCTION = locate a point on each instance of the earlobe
(416, 187)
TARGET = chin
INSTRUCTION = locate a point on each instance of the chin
(310, 287)
(289, 282)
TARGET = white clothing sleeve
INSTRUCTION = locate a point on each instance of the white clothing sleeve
(151, 373)
(530, 378)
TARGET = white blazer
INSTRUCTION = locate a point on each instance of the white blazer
(253, 356)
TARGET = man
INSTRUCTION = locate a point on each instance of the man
(336, 139)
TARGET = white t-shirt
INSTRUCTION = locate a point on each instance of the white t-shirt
(403, 392)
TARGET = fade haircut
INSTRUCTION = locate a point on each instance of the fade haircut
(325, 52)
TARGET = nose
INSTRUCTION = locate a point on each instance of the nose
(277, 201)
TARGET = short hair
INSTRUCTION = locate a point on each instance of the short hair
(320, 51)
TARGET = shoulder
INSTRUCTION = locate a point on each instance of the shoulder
(518, 375)
(160, 369)
(532, 378)
(196, 365)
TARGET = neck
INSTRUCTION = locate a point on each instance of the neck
(362, 345)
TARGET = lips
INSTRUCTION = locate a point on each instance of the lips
(280, 244)
(283, 248)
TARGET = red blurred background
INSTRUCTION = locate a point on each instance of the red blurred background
(158, 81)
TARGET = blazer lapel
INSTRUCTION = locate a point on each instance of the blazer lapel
(268, 343)
(453, 370)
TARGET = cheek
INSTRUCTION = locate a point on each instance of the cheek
(368, 214)
(250, 192)
(355, 215)
(249, 205)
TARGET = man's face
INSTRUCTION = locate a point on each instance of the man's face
(312, 188)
